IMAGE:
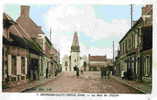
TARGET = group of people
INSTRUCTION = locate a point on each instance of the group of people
(105, 73)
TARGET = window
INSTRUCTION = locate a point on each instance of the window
(13, 65)
(23, 65)
(136, 40)
(147, 66)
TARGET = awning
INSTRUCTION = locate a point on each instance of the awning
(6, 41)
(32, 46)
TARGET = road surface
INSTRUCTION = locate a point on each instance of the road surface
(89, 82)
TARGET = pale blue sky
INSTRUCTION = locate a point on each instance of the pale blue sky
(103, 12)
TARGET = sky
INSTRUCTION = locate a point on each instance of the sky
(97, 25)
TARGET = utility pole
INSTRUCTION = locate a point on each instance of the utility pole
(131, 13)
(113, 52)
(50, 33)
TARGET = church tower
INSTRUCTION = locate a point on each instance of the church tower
(75, 53)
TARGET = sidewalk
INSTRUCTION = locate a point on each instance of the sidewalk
(142, 87)
(31, 84)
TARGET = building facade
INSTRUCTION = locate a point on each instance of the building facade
(69, 62)
(135, 54)
(27, 53)
(96, 62)
(75, 53)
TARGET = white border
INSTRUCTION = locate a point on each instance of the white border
(23, 96)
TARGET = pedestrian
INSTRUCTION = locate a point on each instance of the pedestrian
(81, 70)
(125, 75)
(77, 72)
(107, 74)
(47, 72)
(104, 73)
(101, 72)
(122, 74)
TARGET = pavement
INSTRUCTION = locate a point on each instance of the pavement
(89, 82)
(31, 84)
(143, 87)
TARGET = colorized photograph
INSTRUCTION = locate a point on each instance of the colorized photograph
(77, 48)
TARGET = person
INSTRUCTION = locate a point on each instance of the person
(107, 74)
(101, 70)
(81, 70)
(125, 75)
(122, 74)
(74, 68)
(77, 72)
(47, 72)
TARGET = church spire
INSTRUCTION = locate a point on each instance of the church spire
(75, 44)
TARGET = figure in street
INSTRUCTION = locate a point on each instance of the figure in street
(101, 71)
(122, 74)
(77, 71)
(107, 74)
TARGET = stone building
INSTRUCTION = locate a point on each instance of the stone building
(65, 63)
(135, 55)
(75, 53)
(96, 62)
(69, 62)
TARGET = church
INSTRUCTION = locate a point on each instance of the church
(69, 62)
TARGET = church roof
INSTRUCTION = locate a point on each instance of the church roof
(75, 44)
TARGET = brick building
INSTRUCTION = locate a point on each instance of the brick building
(96, 62)
(27, 53)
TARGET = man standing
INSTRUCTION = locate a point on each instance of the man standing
(77, 71)
(101, 69)
(122, 74)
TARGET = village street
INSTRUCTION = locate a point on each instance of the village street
(37, 57)
(89, 82)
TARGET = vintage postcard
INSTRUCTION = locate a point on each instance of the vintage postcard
(73, 49)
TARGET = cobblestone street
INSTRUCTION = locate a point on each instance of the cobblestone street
(89, 82)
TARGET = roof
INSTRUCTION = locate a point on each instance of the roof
(30, 27)
(49, 42)
(97, 65)
(75, 43)
(137, 22)
(20, 38)
(97, 58)
(7, 21)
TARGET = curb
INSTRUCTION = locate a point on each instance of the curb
(26, 89)
(129, 85)
(29, 86)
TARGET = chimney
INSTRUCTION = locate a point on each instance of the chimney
(25, 11)
(146, 9)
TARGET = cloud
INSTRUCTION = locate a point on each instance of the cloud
(68, 18)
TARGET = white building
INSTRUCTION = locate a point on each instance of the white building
(69, 62)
